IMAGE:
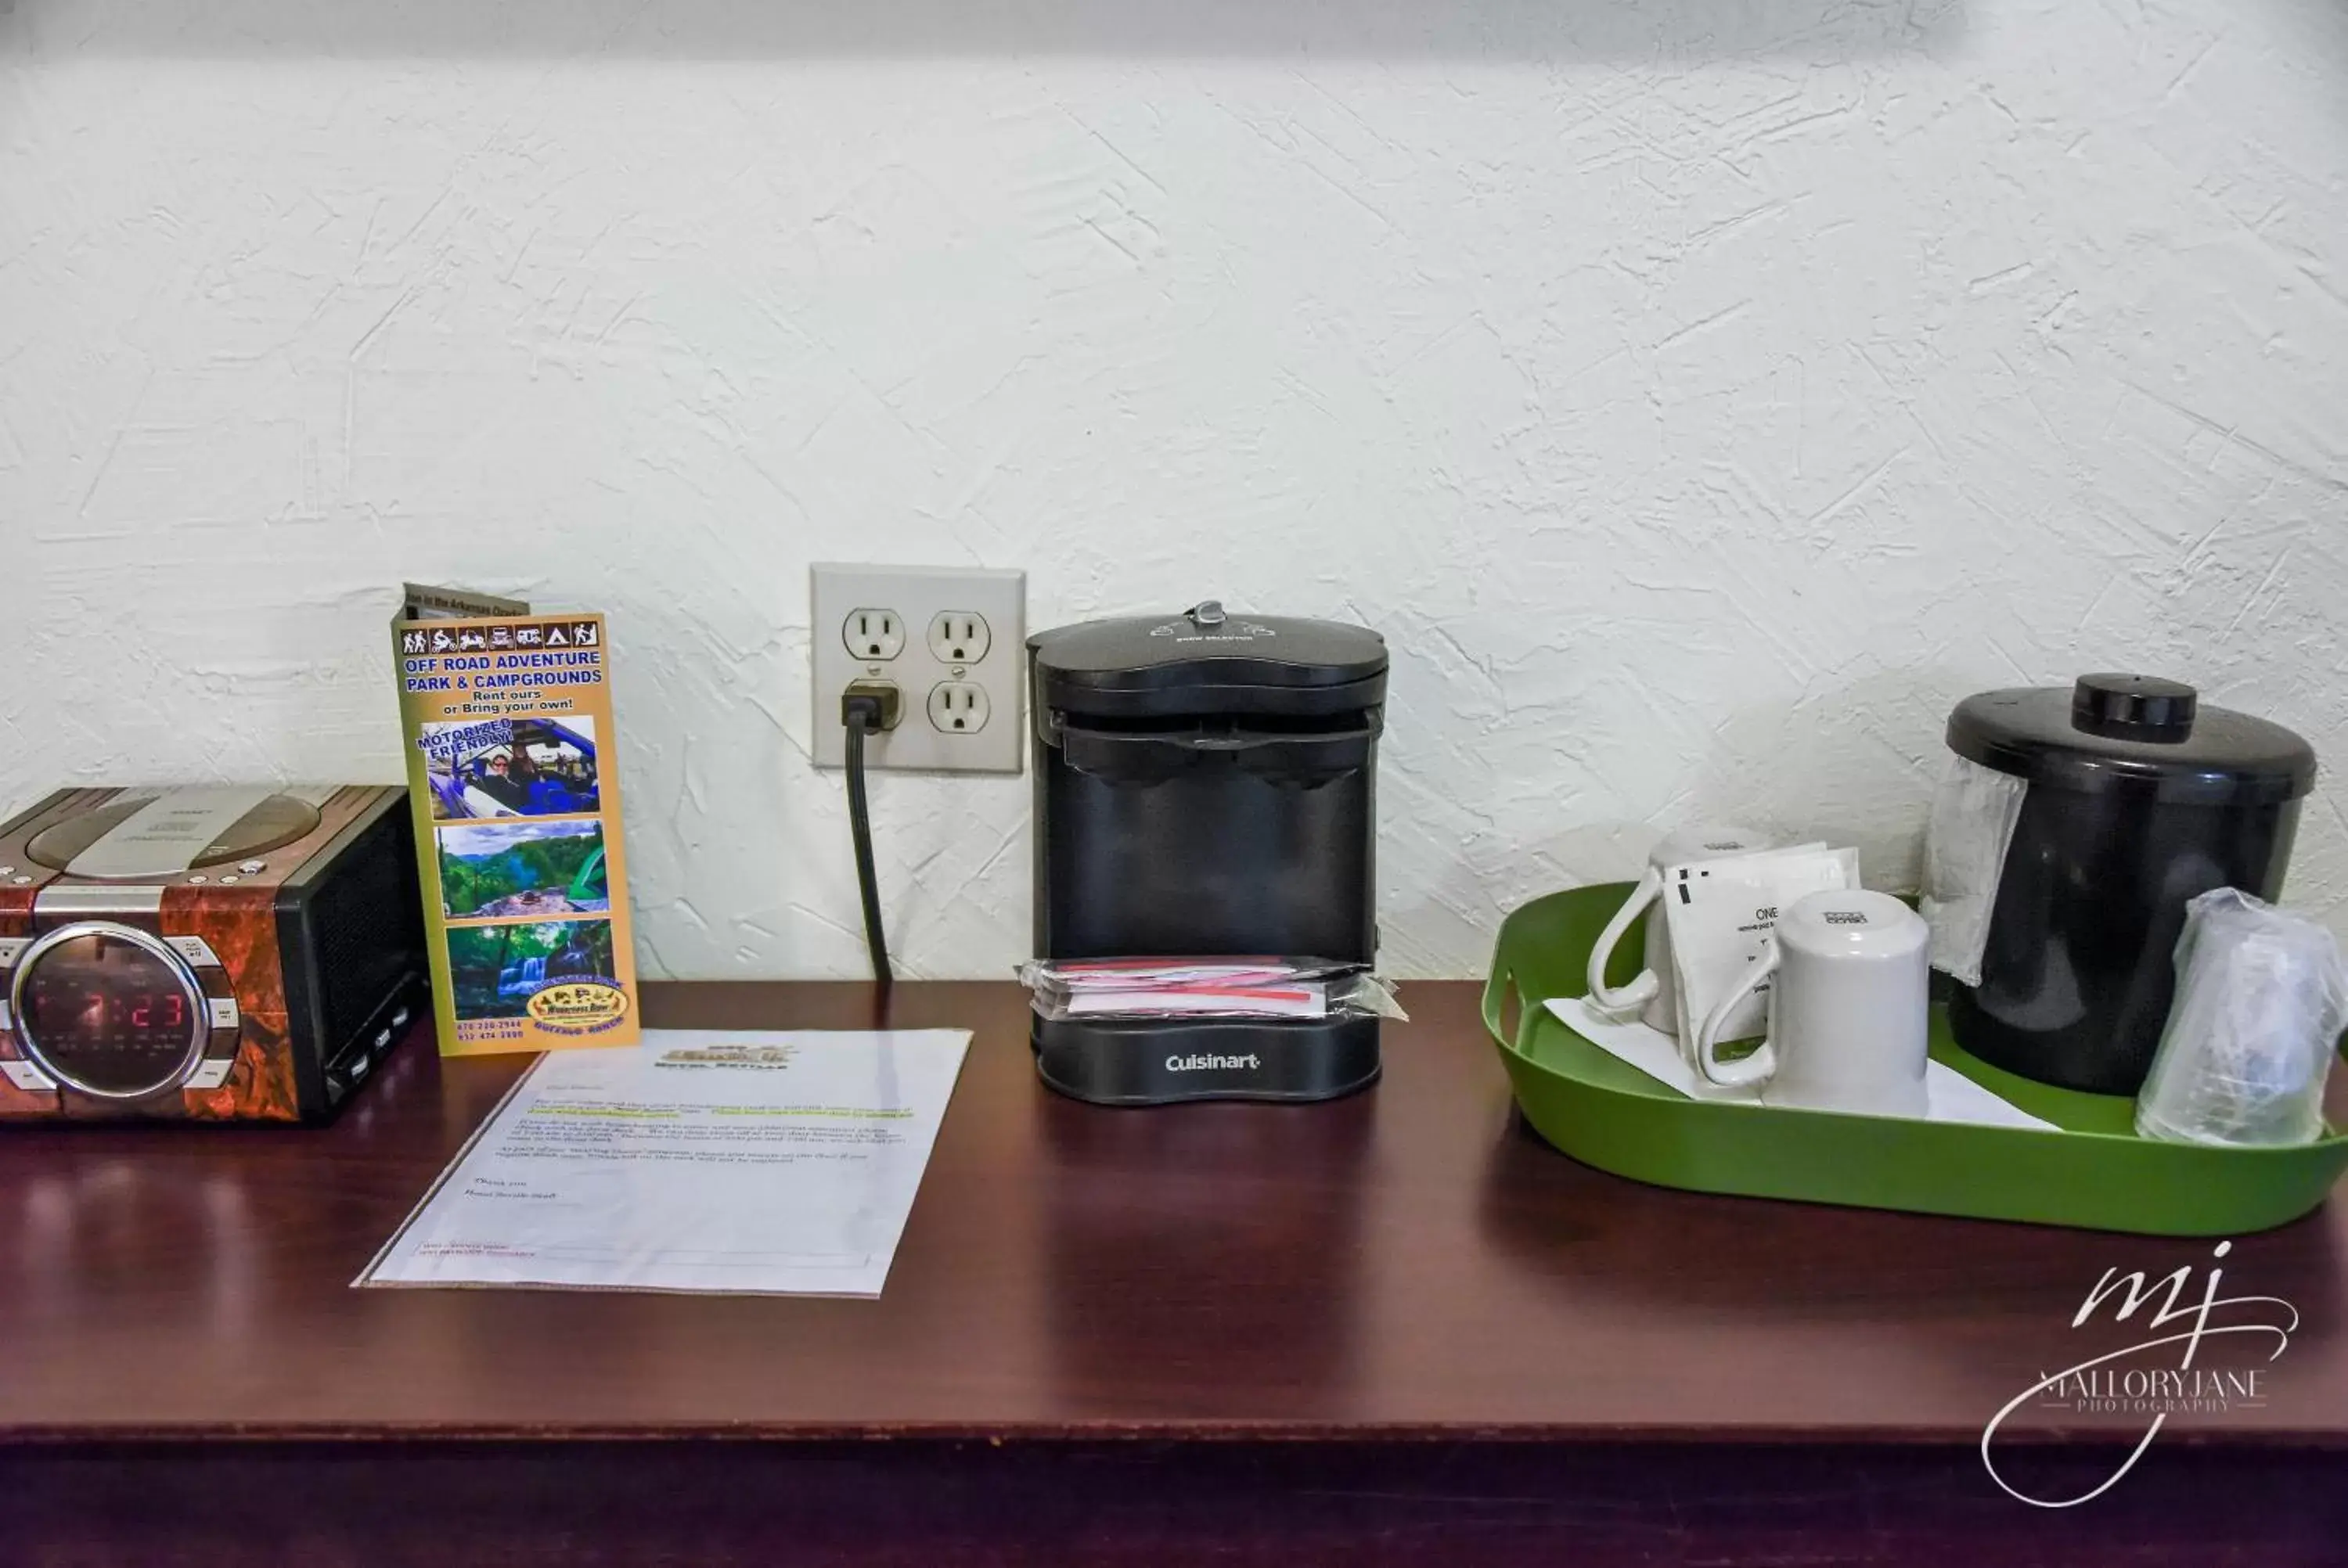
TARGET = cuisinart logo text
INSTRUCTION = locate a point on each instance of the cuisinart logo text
(1203, 1063)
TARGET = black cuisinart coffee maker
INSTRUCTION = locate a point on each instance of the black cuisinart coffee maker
(1206, 785)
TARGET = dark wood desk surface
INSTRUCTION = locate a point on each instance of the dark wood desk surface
(1407, 1262)
(1460, 1319)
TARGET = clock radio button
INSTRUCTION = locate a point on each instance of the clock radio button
(12, 949)
(224, 1010)
(209, 1074)
(195, 949)
(198, 878)
(253, 867)
(27, 1077)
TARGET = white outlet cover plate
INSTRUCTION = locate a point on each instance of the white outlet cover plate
(917, 595)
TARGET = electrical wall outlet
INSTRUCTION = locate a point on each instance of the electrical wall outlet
(959, 707)
(952, 639)
(960, 636)
(874, 634)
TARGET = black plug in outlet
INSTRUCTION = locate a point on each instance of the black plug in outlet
(882, 703)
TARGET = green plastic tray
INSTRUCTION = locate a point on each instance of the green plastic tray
(2096, 1172)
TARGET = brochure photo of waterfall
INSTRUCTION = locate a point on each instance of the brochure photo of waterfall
(497, 969)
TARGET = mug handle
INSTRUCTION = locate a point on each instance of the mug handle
(1758, 1066)
(1642, 987)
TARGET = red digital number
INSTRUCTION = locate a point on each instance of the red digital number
(179, 1010)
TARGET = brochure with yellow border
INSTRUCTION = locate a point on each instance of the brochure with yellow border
(513, 778)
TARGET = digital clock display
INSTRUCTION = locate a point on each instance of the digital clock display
(109, 1014)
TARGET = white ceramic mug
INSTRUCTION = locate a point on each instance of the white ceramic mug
(1650, 991)
(1847, 1013)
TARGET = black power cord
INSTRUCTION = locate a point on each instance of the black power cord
(865, 708)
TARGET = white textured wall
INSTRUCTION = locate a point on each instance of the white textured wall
(1700, 396)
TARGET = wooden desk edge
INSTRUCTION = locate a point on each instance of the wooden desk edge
(1190, 1433)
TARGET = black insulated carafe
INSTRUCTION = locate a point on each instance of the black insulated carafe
(2138, 798)
(1206, 787)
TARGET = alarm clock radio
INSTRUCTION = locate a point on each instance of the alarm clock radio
(211, 954)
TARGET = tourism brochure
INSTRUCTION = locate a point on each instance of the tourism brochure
(512, 776)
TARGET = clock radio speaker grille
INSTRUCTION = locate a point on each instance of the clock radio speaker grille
(359, 930)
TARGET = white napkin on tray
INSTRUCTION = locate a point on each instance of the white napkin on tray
(1949, 1094)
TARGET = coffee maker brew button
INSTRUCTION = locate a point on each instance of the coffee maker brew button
(1207, 612)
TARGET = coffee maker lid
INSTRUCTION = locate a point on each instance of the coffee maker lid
(2136, 734)
(1208, 660)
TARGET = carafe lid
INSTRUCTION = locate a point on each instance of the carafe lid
(2136, 734)
(1207, 660)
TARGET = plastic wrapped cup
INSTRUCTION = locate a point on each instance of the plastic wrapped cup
(2262, 997)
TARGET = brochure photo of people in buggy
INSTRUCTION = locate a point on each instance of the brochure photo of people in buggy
(512, 767)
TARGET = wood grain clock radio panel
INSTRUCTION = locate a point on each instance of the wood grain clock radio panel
(214, 953)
